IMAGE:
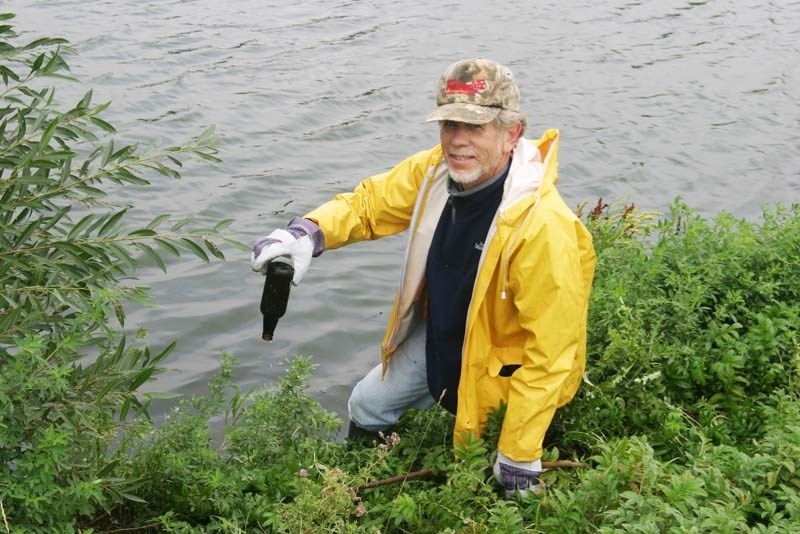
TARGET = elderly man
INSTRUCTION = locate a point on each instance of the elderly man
(496, 277)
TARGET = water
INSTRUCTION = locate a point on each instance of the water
(653, 99)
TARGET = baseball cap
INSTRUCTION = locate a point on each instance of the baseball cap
(475, 91)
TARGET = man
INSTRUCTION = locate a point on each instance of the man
(496, 277)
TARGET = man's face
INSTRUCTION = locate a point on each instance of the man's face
(474, 153)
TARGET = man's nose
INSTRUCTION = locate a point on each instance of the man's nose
(460, 135)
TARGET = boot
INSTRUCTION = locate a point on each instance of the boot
(359, 436)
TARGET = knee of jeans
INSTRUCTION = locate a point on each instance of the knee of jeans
(361, 408)
(356, 406)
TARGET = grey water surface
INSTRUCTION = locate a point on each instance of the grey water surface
(653, 99)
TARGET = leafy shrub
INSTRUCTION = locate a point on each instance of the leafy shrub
(68, 374)
(699, 324)
(711, 488)
(183, 479)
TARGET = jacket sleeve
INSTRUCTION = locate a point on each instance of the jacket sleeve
(548, 286)
(380, 205)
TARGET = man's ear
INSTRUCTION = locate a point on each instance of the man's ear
(511, 136)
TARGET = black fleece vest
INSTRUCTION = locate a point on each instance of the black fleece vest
(450, 273)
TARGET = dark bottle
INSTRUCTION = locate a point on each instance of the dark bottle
(277, 283)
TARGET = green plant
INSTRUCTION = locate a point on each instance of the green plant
(273, 447)
(697, 324)
(68, 374)
(663, 454)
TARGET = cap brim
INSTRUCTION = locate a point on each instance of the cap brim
(461, 112)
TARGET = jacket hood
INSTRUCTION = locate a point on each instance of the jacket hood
(531, 175)
(532, 172)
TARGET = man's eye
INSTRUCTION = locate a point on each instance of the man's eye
(452, 126)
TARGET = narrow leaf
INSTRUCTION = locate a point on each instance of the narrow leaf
(237, 244)
(158, 220)
(85, 101)
(105, 126)
(208, 157)
(48, 134)
(27, 232)
(8, 73)
(164, 170)
(195, 248)
(207, 137)
(123, 153)
(164, 353)
(21, 125)
(112, 222)
(169, 247)
(162, 396)
(37, 63)
(132, 497)
(142, 232)
(212, 248)
(119, 311)
(107, 152)
(108, 468)
(221, 225)
(180, 224)
(153, 255)
(80, 227)
(123, 256)
(141, 377)
(44, 41)
(123, 411)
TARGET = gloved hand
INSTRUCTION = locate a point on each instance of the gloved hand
(301, 241)
(518, 478)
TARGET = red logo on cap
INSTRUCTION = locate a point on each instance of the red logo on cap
(457, 87)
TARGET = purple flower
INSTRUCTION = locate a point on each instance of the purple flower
(303, 473)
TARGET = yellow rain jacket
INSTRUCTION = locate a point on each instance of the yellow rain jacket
(531, 293)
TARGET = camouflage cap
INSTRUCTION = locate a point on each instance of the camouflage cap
(474, 91)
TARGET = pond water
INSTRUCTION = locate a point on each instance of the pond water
(653, 99)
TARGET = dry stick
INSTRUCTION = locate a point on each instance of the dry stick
(422, 473)
(133, 529)
(2, 509)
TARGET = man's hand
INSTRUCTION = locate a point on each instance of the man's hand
(518, 478)
(301, 240)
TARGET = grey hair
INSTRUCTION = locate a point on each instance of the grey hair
(507, 118)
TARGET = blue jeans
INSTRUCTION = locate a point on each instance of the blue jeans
(377, 404)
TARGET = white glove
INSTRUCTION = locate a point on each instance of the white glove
(301, 240)
(518, 478)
